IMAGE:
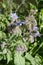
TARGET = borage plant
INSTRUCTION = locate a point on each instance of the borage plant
(21, 33)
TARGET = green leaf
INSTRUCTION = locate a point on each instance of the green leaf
(18, 59)
(2, 35)
(1, 57)
(4, 6)
(9, 57)
(30, 58)
(28, 63)
(32, 6)
(38, 59)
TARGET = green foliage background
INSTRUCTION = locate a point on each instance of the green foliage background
(8, 55)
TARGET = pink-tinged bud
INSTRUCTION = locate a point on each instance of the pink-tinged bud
(3, 45)
(31, 38)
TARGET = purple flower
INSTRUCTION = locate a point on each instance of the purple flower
(21, 48)
(37, 34)
(35, 28)
(13, 16)
(19, 23)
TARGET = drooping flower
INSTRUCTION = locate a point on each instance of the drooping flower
(32, 11)
(14, 16)
(19, 23)
(37, 34)
(35, 28)
(16, 31)
(3, 45)
(33, 20)
(21, 48)
(31, 38)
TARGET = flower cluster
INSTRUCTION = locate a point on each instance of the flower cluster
(32, 26)
(30, 22)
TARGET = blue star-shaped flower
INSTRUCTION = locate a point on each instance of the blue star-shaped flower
(19, 23)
